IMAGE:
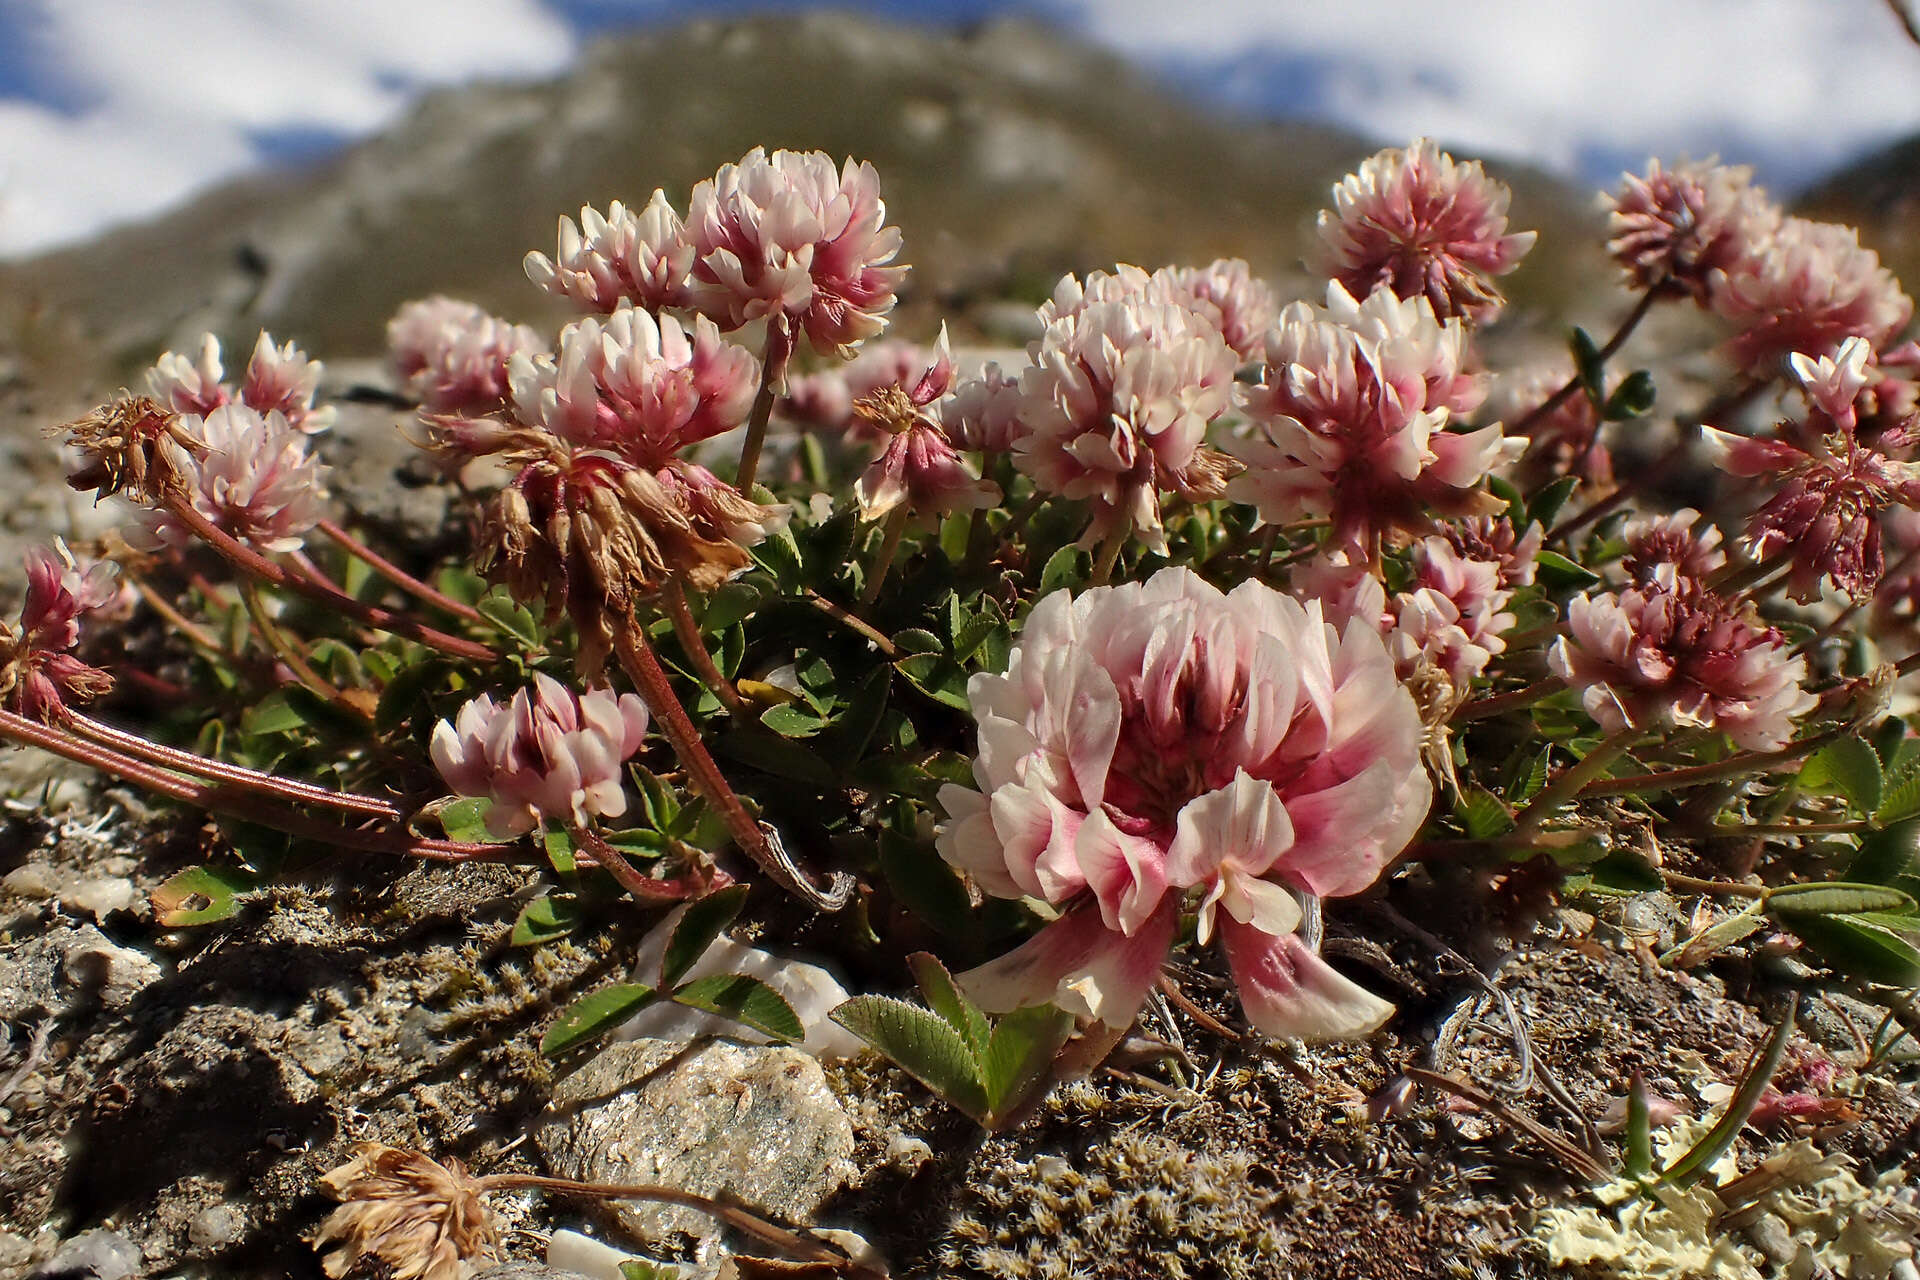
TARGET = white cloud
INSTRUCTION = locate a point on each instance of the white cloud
(162, 98)
(1802, 84)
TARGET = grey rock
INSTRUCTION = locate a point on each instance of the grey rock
(51, 972)
(216, 1225)
(527, 1271)
(754, 1122)
(91, 1255)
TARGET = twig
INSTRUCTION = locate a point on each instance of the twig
(1497, 703)
(1748, 762)
(36, 1051)
(1577, 1162)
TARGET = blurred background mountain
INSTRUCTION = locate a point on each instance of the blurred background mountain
(1008, 154)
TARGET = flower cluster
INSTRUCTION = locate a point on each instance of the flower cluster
(252, 475)
(277, 380)
(919, 468)
(1416, 221)
(39, 674)
(547, 753)
(1154, 740)
(1350, 421)
(453, 355)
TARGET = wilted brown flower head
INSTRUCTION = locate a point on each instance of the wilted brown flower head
(132, 445)
(425, 1221)
(592, 536)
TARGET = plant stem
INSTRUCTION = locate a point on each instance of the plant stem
(274, 575)
(1732, 767)
(1108, 557)
(624, 874)
(853, 620)
(1607, 352)
(288, 789)
(735, 1216)
(397, 576)
(977, 557)
(637, 657)
(279, 646)
(687, 632)
(1498, 703)
(1568, 783)
(896, 528)
(1723, 888)
(773, 370)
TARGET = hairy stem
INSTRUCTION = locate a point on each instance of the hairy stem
(896, 528)
(773, 370)
(397, 576)
(1749, 762)
(1568, 784)
(694, 645)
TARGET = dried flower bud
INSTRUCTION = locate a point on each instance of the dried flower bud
(133, 445)
(423, 1220)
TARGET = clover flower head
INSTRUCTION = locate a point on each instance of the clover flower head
(637, 386)
(1664, 550)
(1824, 511)
(919, 468)
(1452, 617)
(1832, 384)
(1114, 407)
(1653, 656)
(1418, 222)
(1243, 306)
(618, 258)
(548, 753)
(1494, 538)
(983, 413)
(422, 1220)
(453, 355)
(1151, 742)
(1349, 421)
(825, 397)
(252, 474)
(1672, 229)
(1806, 289)
(278, 379)
(791, 239)
(39, 677)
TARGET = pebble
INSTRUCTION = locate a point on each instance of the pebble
(753, 1122)
(216, 1225)
(91, 1255)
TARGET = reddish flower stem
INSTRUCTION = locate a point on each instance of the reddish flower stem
(773, 371)
(1513, 699)
(624, 874)
(637, 658)
(694, 645)
(397, 576)
(1694, 775)
(321, 592)
(1607, 352)
(896, 527)
(238, 775)
(246, 805)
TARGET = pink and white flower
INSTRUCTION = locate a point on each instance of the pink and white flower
(825, 397)
(1350, 421)
(790, 239)
(252, 474)
(38, 674)
(1651, 656)
(1418, 222)
(1807, 288)
(623, 257)
(1672, 229)
(1115, 406)
(918, 468)
(1241, 305)
(549, 753)
(278, 379)
(454, 355)
(1154, 741)
(636, 386)
(1453, 615)
(1664, 550)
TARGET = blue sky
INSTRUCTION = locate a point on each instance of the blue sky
(117, 109)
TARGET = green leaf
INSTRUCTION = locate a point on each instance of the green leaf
(1588, 366)
(1900, 798)
(745, 1000)
(1849, 767)
(1639, 1154)
(272, 714)
(780, 554)
(544, 919)
(854, 727)
(1836, 899)
(782, 757)
(937, 676)
(465, 820)
(1526, 772)
(460, 583)
(1065, 569)
(201, 895)
(704, 920)
(1887, 854)
(729, 604)
(790, 721)
(405, 696)
(1624, 872)
(1547, 503)
(512, 618)
(921, 1043)
(1557, 573)
(558, 843)
(1482, 813)
(657, 800)
(1714, 939)
(1023, 1046)
(974, 634)
(634, 1268)
(1633, 398)
(926, 885)
(595, 1014)
(945, 998)
(917, 640)
(1699, 1159)
(1860, 950)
